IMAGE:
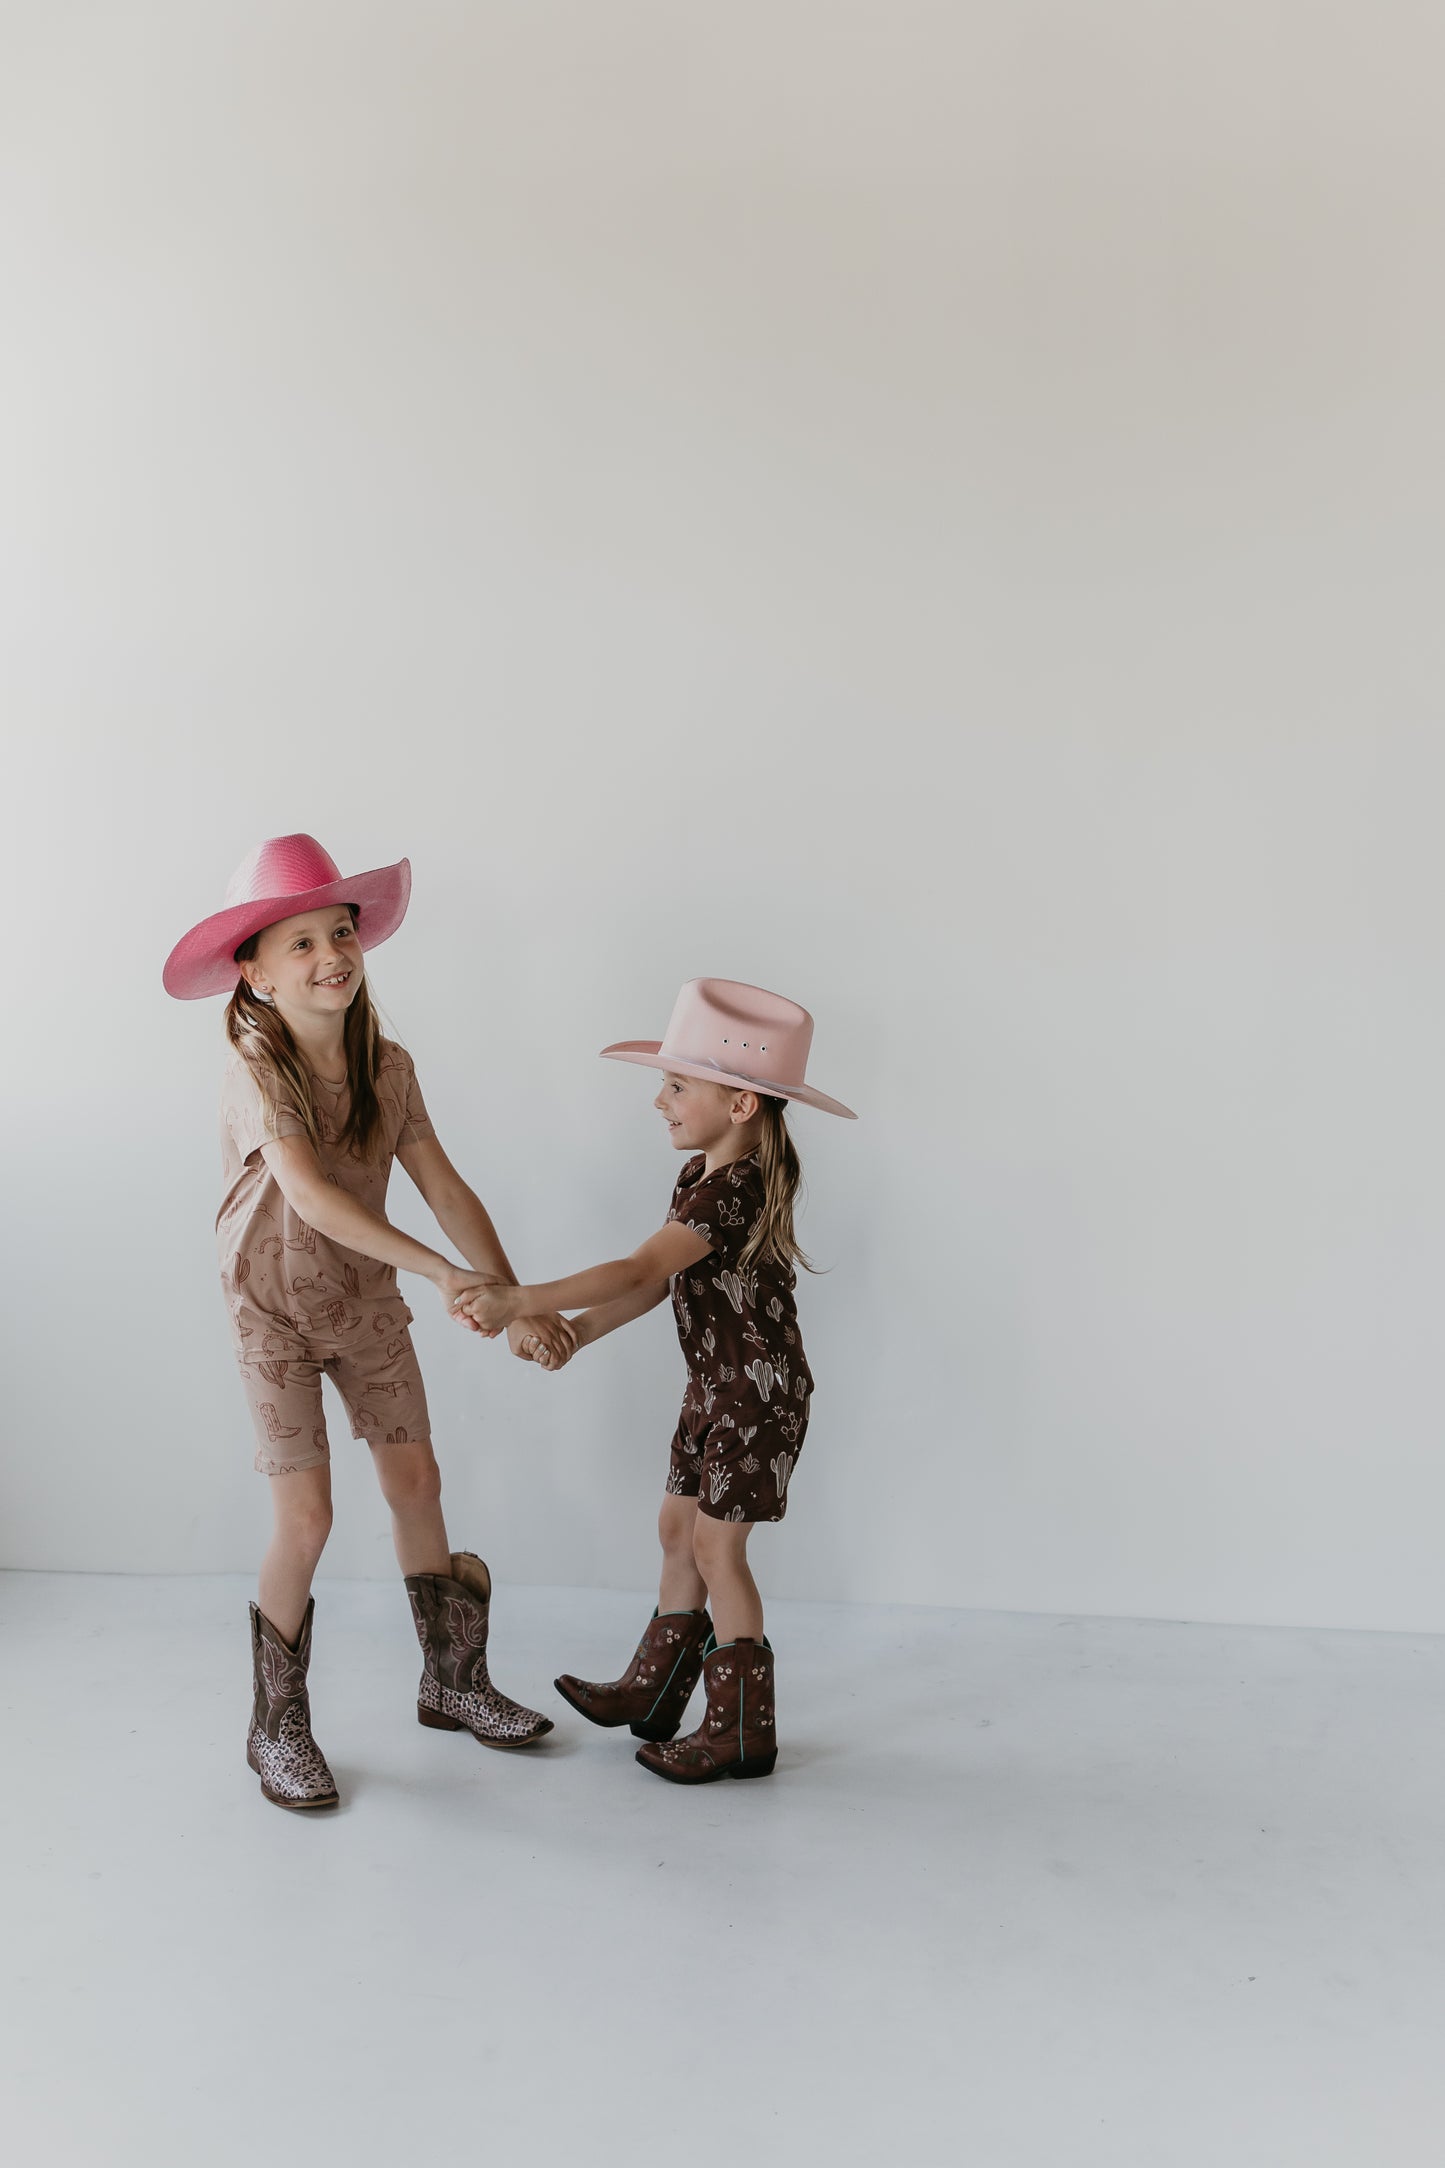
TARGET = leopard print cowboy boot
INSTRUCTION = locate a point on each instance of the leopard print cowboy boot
(657, 1685)
(280, 1748)
(451, 1613)
(736, 1737)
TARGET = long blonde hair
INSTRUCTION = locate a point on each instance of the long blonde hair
(772, 1239)
(261, 1037)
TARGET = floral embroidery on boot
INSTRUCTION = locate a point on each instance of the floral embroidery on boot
(737, 1736)
(657, 1685)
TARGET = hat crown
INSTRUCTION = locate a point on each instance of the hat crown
(281, 866)
(727, 1025)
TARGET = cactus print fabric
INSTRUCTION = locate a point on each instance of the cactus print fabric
(300, 1304)
(749, 1388)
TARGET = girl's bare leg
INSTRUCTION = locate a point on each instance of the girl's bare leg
(721, 1551)
(411, 1484)
(682, 1587)
(302, 1506)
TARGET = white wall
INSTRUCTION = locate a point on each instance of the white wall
(932, 509)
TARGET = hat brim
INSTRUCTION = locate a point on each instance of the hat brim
(203, 961)
(647, 1053)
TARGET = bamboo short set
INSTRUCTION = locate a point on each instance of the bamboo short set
(745, 1411)
(301, 1305)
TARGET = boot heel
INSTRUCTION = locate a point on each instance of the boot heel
(762, 1765)
(656, 1733)
(434, 1720)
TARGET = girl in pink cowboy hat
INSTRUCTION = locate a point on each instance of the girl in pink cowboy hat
(315, 1105)
(732, 1058)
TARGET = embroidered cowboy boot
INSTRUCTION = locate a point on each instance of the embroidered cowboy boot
(736, 1737)
(657, 1685)
(456, 1693)
(280, 1748)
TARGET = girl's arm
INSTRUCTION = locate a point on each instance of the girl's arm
(605, 1317)
(457, 1209)
(672, 1249)
(461, 1215)
(342, 1218)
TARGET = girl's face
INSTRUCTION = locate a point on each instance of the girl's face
(700, 1116)
(310, 965)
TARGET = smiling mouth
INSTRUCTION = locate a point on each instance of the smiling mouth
(338, 978)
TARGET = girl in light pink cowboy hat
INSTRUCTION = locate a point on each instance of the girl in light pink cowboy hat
(315, 1105)
(732, 1058)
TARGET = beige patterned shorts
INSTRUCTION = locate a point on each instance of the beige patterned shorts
(376, 1373)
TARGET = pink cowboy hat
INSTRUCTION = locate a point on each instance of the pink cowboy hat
(282, 877)
(729, 1033)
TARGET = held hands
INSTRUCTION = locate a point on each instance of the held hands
(490, 1304)
(452, 1283)
(544, 1337)
(547, 1339)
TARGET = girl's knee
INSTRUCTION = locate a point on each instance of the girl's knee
(714, 1543)
(302, 1506)
(409, 1481)
(675, 1526)
(307, 1528)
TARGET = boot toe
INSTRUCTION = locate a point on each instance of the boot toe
(677, 1766)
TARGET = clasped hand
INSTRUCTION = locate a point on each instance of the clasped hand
(478, 1302)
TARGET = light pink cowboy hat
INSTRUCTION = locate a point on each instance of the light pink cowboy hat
(281, 878)
(729, 1033)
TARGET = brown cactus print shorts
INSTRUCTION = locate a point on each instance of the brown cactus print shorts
(735, 1471)
(376, 1374)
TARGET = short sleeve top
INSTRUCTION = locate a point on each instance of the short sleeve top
(738, 1328)
(276, 1272)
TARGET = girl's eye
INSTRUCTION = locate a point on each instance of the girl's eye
(302, 944)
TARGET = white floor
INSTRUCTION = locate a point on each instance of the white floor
(1023, 1891)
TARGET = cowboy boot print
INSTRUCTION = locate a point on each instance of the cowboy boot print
(276, 1430)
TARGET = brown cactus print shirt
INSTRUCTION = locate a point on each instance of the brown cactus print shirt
(283, 1282)
(738, 1330)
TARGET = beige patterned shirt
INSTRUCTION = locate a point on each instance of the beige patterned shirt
(283, 1282)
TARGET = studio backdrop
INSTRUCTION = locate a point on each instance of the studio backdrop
(933, 511)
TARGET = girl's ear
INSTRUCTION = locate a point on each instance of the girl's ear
(251, 973)
(744, 1107)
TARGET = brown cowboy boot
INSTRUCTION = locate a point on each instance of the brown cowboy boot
(456, 1693)
(736, 1737)
(657, 1685)
(280, 1748)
